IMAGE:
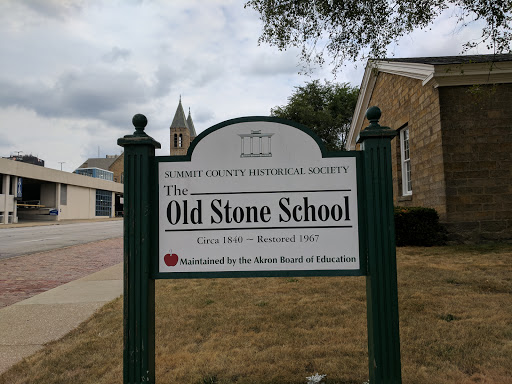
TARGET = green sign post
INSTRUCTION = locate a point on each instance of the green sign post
(139, 286)
(381, 284)
(259, 196)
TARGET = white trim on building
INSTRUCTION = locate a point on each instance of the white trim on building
(433, 75)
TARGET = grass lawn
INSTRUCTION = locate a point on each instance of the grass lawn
(455, 327)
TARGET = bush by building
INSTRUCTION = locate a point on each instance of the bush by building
(418, 226)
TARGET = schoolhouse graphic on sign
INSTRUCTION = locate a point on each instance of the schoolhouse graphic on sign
(256, 144)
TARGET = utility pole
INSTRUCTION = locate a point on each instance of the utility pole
(61, 162)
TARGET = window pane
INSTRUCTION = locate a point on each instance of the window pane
(103, 203)
(63, 194)
(406, 162)
(408, 176)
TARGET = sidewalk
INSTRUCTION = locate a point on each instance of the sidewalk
(27, 325)
(75, 281)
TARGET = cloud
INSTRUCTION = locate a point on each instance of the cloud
(116, 54)
(53, 9)
(202, 115)
(52, 140)
(165, 77)
(74, 72)
(91, 93)
(5, 144)
(267, 64)
(87, 93)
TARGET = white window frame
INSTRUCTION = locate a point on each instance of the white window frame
(405, 161)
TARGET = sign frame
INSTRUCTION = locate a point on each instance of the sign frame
(357, 155)
(377, 244)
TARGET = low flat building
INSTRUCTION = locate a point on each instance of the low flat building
(32, 192)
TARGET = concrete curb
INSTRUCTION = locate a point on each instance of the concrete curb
(45, 223)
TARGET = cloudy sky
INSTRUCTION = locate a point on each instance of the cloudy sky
(73, 73)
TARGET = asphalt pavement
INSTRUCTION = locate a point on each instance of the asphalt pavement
(25, 238)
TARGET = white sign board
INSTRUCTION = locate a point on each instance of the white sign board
(258, 196)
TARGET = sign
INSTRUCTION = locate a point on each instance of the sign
(258, 197)
(19, 188)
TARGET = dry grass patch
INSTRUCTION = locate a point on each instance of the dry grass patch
(455, 325)
(262, 330)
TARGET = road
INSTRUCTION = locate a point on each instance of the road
(25, 240)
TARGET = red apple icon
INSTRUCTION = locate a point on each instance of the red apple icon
(171, 260)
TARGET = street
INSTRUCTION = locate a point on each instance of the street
(25, 240)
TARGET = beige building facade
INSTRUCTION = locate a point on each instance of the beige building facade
(36, 193)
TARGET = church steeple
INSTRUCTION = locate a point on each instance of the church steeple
(182, 131)
(179, 120)
(190, 124)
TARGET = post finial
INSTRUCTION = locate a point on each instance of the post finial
(139, 137)
(139, 122)
(375, 130)
(373, 115)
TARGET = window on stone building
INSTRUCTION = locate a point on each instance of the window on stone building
(180, 142)
(405, 162)
(175, 140)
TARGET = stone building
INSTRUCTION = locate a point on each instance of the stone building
(117, 167)
(453, 151)
(182, 132)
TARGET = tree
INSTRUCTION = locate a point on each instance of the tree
(358, 29)
(325, 108)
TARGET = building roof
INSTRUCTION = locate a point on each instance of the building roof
(433, 72)
(179, 120)
(443, 60)
(102, 162)
(190, 124)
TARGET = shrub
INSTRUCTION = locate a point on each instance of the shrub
(418, 226)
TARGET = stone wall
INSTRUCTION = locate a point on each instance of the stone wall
(176, 150)
(117, 168)
(460, 149)
(406, 102)
(477, 148)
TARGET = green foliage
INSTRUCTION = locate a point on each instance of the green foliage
(448, 317)
(325, 108)
(352, 30)
(209, 380)
(418, 226)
